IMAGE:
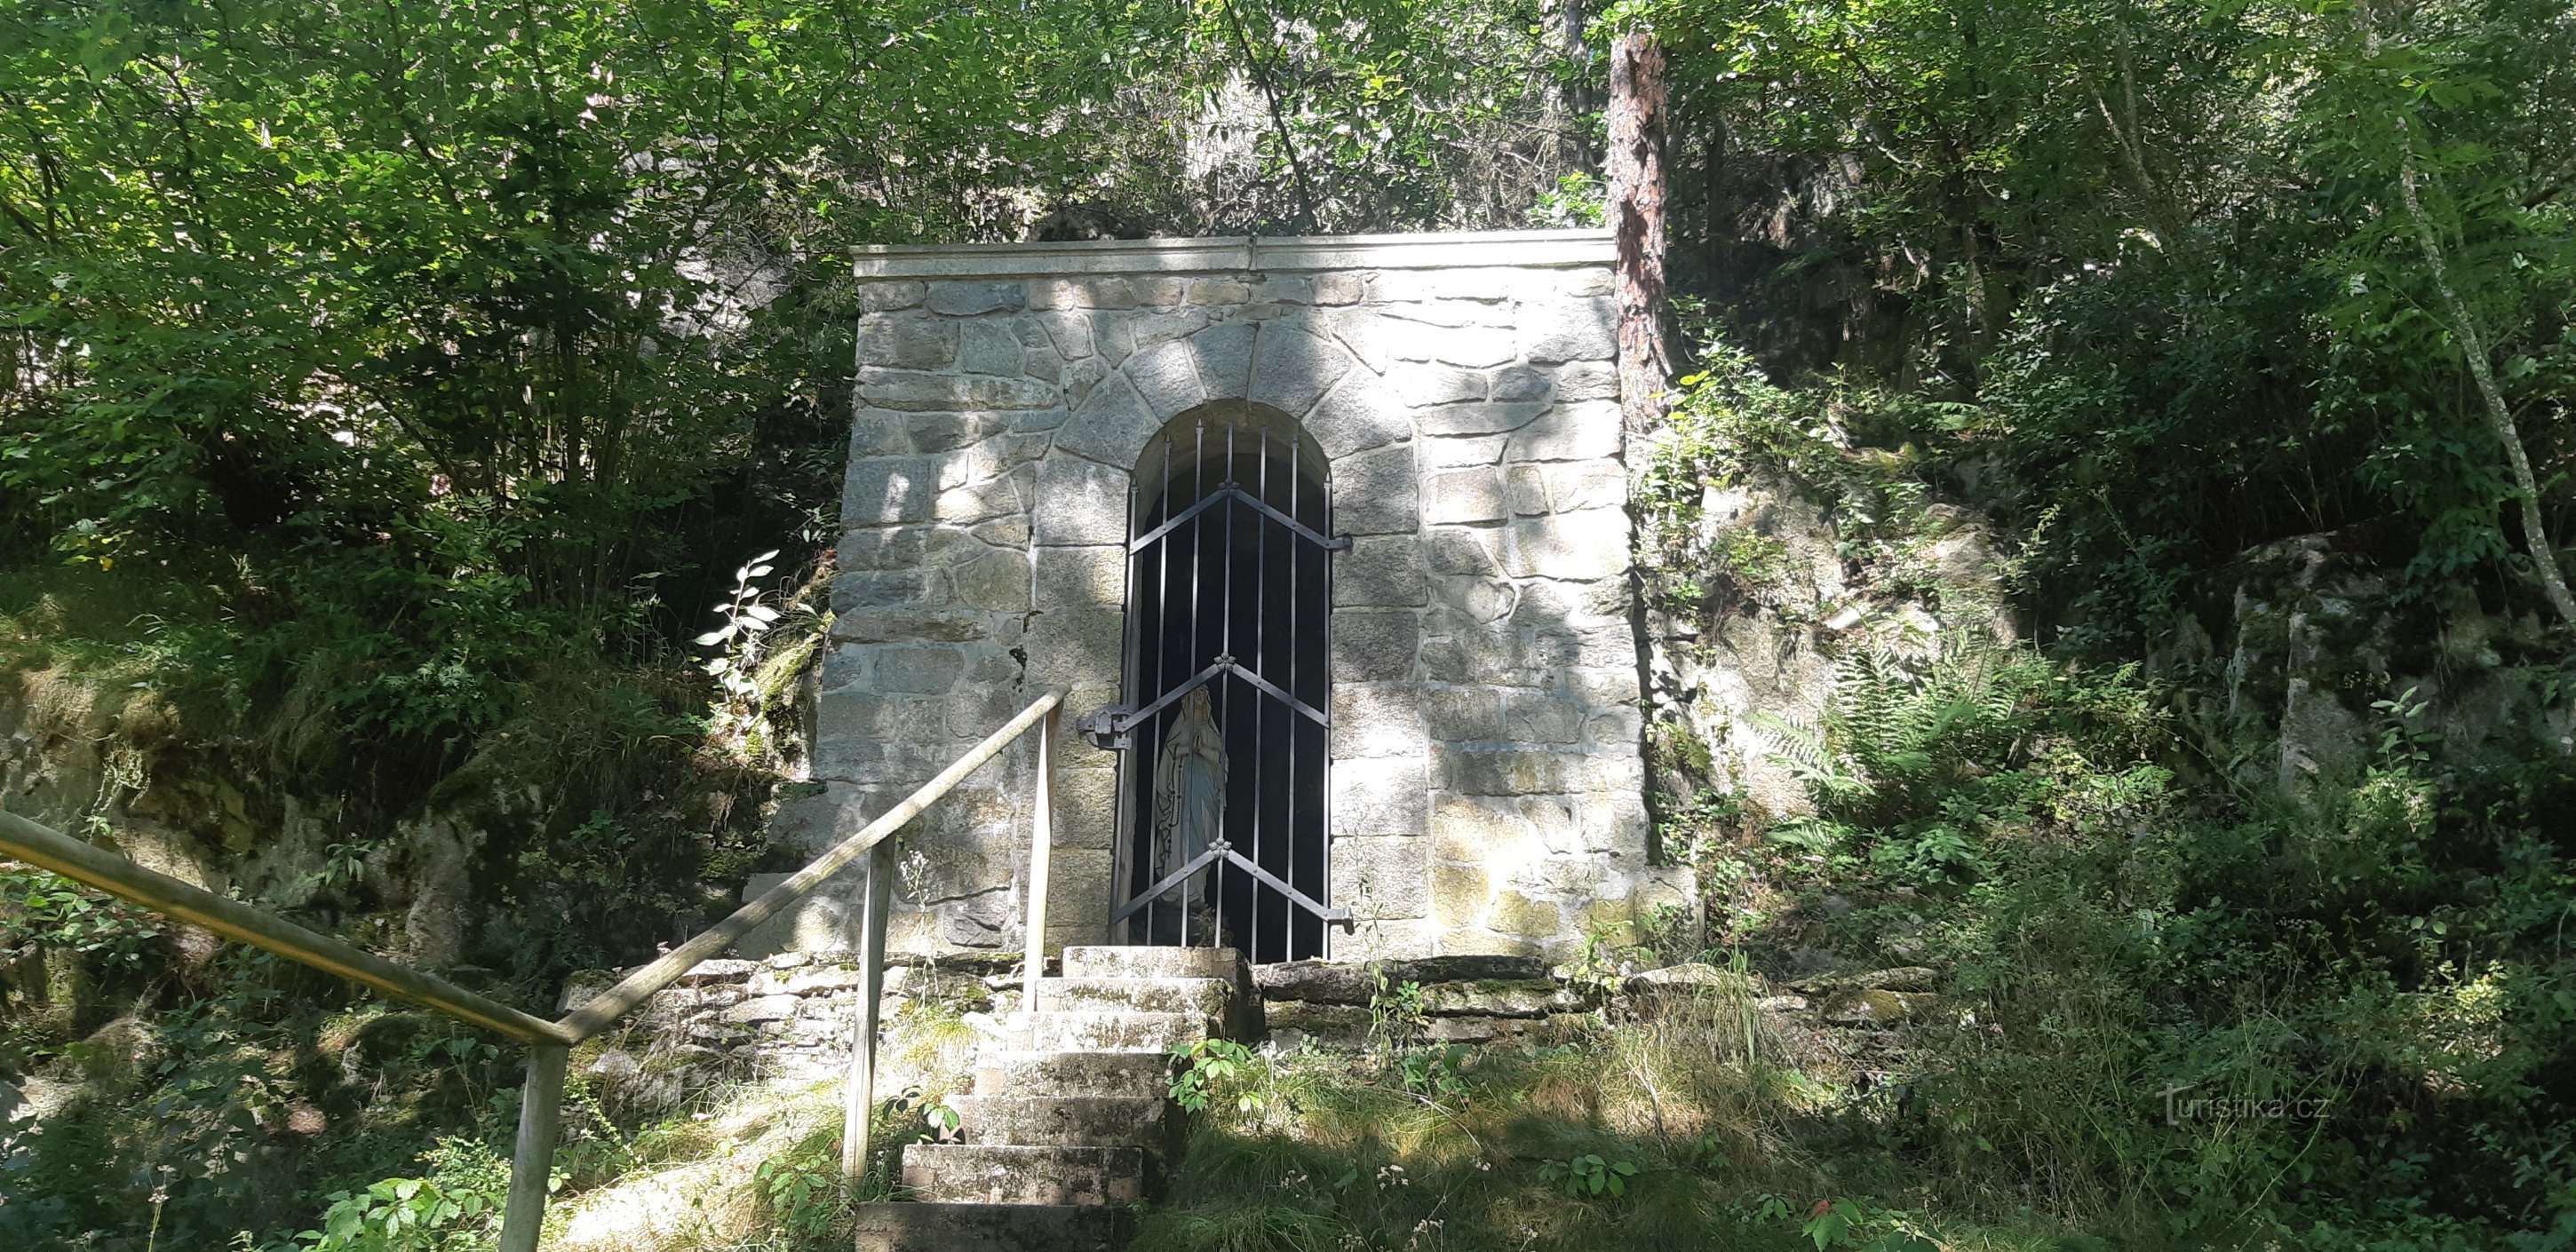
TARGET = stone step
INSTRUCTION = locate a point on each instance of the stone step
(1153, 1123)
(993, 1173)
(901, 1227)
(1055, 1030)
(1000, 1073)
(1208, 997)
(1129, 961)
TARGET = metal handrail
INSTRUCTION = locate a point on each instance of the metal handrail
(550, 1043)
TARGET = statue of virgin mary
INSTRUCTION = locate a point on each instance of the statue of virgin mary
(1189, 792)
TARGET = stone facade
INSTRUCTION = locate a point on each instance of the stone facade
(1486, 777)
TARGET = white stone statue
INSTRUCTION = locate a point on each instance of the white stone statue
(1189, 792)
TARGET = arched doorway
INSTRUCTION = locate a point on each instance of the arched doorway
(1226, 724)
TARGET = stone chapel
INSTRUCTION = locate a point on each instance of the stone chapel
(1327, 540)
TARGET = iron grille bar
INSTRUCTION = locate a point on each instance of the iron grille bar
(1226, 491)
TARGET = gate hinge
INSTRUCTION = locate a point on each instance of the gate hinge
(1105, 729)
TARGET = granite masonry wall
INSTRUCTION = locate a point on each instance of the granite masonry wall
(1487, 778)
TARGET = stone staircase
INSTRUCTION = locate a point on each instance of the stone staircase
(1070, 1120)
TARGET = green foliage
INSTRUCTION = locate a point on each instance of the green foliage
(2175, 1000)
(44, 910)
(1214, 1069)
(1589, 1175)
(807, 1195)
(456, 1207)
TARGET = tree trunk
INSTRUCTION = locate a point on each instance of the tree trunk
(1636, 218)
(2464, 327)
(1635, 170)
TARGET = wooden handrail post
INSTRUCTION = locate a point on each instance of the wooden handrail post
(639, 986)
(1041, 847)
(859, 1095)
(532, 1164)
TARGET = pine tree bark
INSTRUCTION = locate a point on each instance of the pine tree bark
(1635, 173)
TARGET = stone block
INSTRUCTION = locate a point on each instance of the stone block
(1068, 332)
(1166, 376)
(860, 715)
(1282, 289)
(1375, 492)
(1223, 354)
(1381, 797)
(1471, 599)
(1113, 338)
(947, 432)
(1469, 346)
(1588, 431)
(886, 490)
(882, 548)
(1080, 503)
(1376, 719)
(1293, 369)
(1525, 490)
(1586, 485)
(1094, 790)
(1446, 283)
(980, 922)
(1483, 417)
(1512, 914)
(917, 390)
(1459, 550)
(989, 346)
(1375, 646)
(1340, 288)
(1382, 877)
(958, 298)
(1076, 646)
(877, 432)
(1552, 332)
(1110, 426)
(1483, 830)
(925, 668)
(1217, 291)
(1381, 571)
(814, 816)
(1078, 892)
(1509, 772)
(1588, 545)
(910, 342)
(995, 580)
(902, 621)
(1587, 380)
(885, 297)
(1459, 453)
(1357, 415)
(1458, 893)
(1094, 576)
(1461, 715)
(997, 497)
(1521, 383)
(1425, 385)
(1160, 327)
(1455, 313)
(1463, 497)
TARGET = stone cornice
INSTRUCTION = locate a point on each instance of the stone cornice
(1254, 254)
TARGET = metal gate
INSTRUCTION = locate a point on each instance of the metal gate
(1223, 830)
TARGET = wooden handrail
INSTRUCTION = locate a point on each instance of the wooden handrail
(46, 848)
(540, 1108)
(639, 986)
